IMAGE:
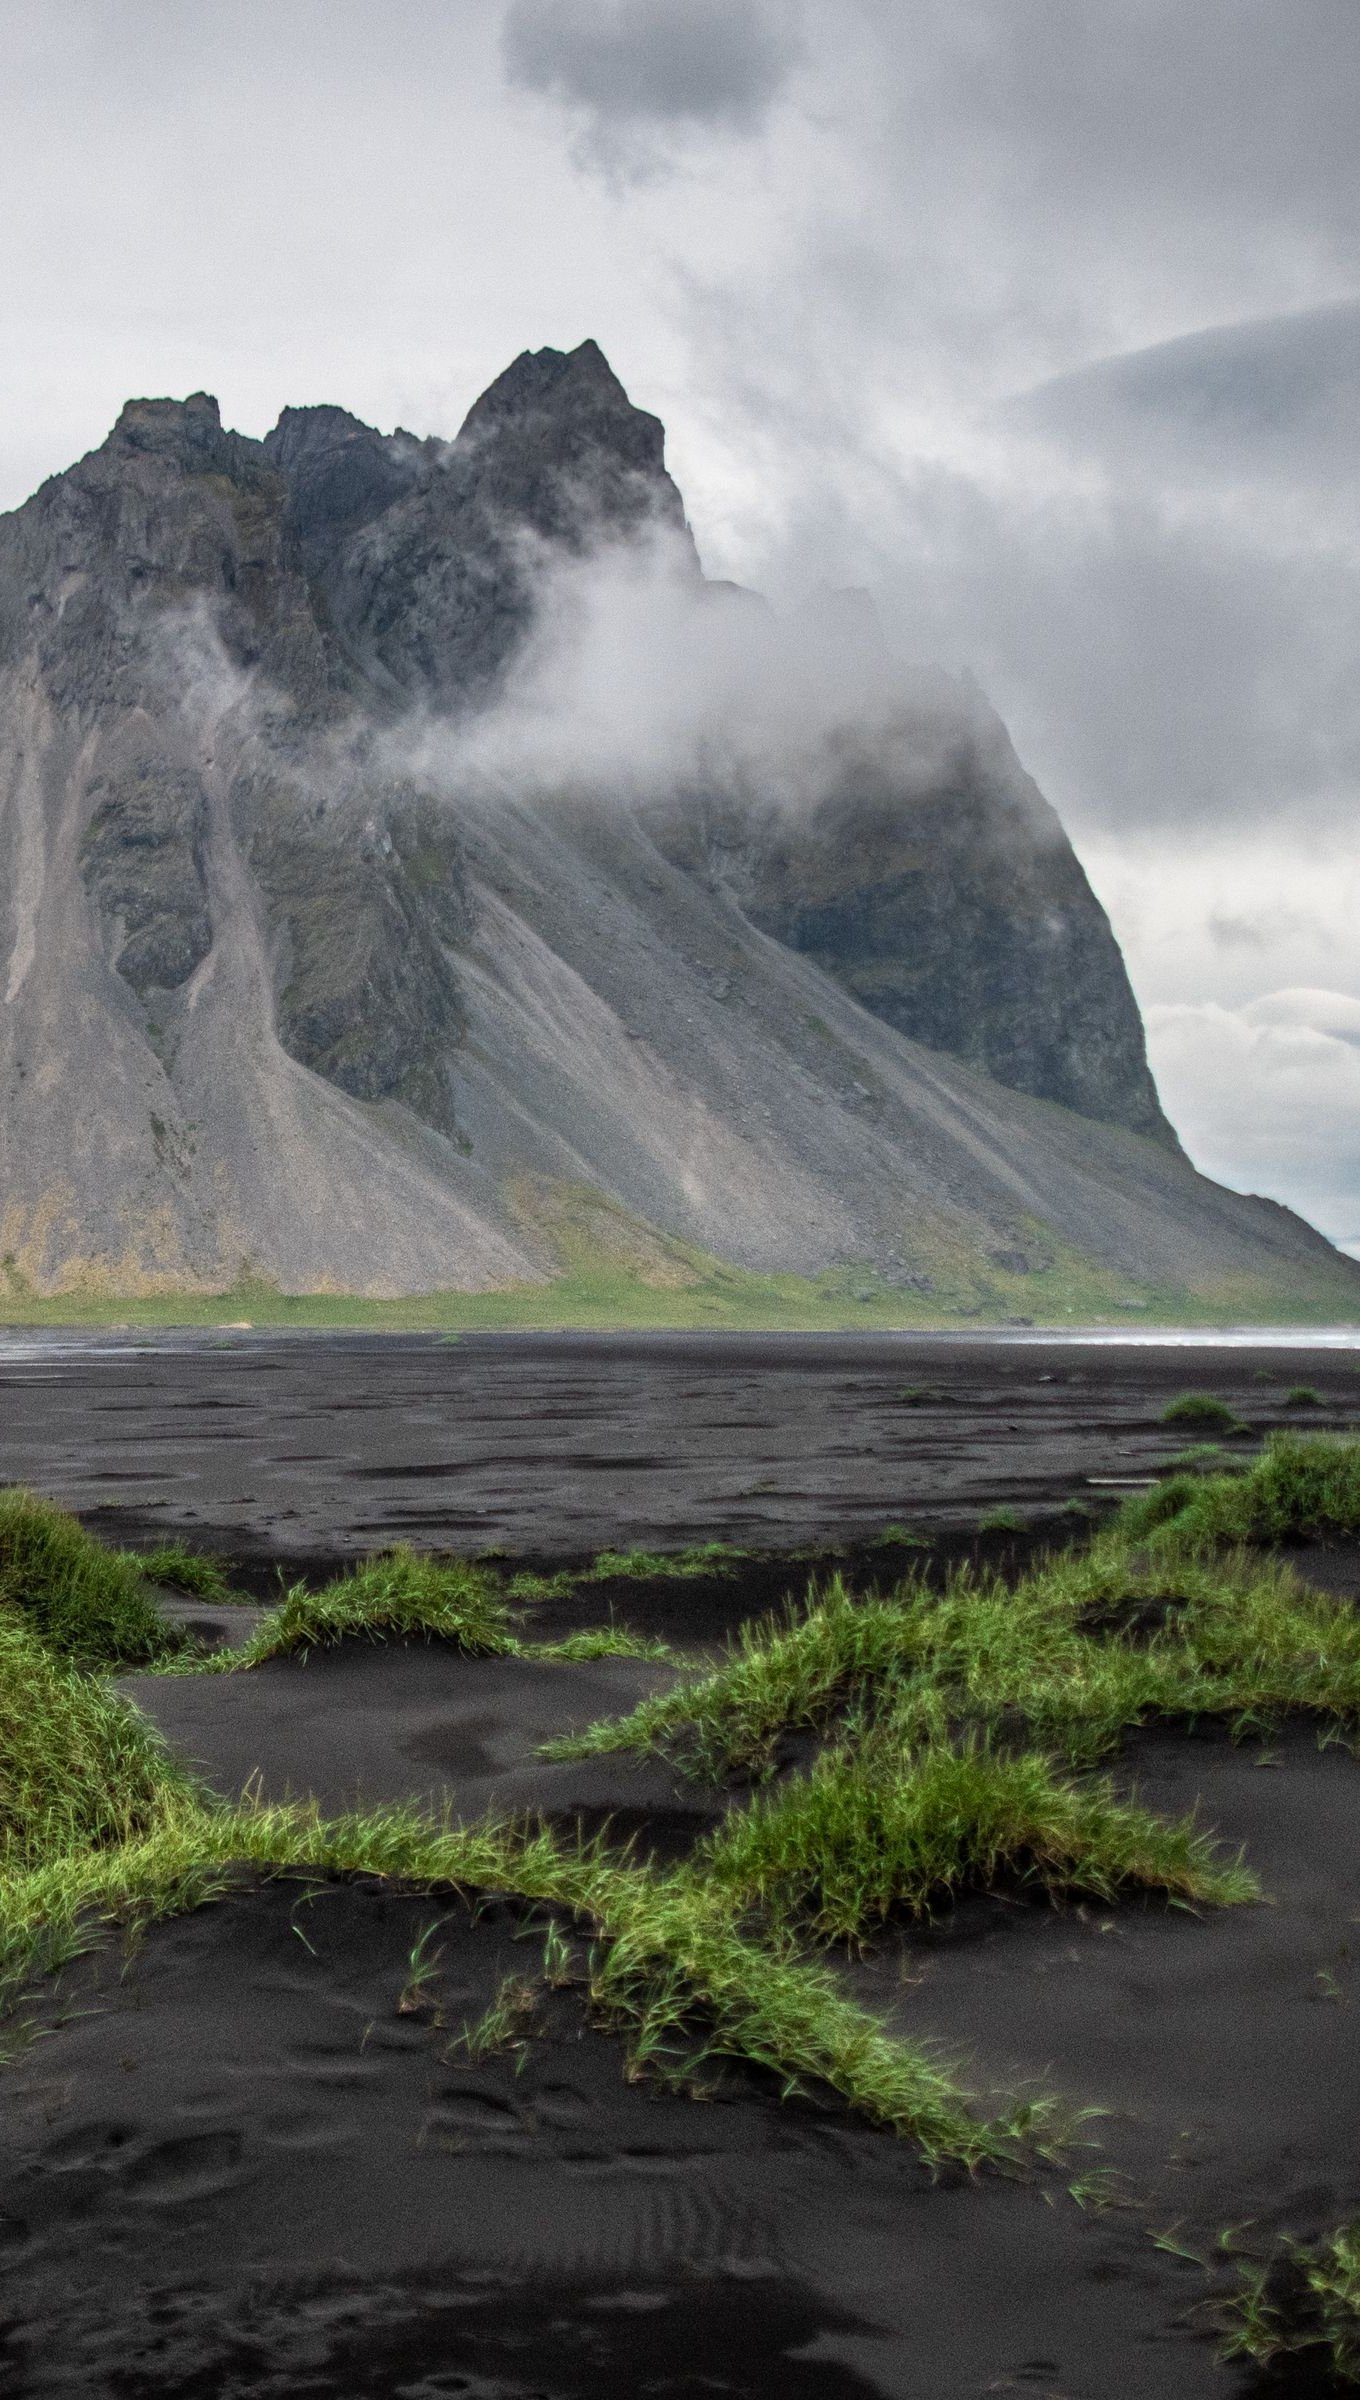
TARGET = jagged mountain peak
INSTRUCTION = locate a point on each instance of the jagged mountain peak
(318, 425)
(177, 428)
(577, 392)
(556, 443)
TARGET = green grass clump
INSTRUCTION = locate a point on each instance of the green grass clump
(901, 1537)
(781, 1675)
(601, 1641)
(1198, 1408)
(1303, 2306)
(705, 1558)
(186, 1570)
(1302, 1395)
(398, 1594)
(89, 1604)
(76, 1766)
(527, 1585)
(875, 1828)
(1000, 1520)
(401, 1595)
(1300, 1484)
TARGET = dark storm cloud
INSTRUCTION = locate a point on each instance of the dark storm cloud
(632, 67)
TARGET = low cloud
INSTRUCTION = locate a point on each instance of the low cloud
(639, 678)
(631, 73)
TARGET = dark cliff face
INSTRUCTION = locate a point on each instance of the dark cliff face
(954, 908)
(303, 991)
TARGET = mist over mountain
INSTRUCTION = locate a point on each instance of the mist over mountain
(407, 857)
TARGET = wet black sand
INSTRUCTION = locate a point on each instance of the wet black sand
(318, 1447)
(368, 1723)
(237, 2169)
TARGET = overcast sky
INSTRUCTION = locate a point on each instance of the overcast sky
(1038, 318)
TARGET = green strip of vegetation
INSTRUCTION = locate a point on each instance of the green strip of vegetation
(670, 1968)
(703, 1558)
(617, 1273)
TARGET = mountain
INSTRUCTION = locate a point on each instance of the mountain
(411, 865)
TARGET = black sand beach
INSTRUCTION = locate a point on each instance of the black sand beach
(234, 2166)
(557, 1445)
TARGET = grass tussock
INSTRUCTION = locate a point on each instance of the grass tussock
(1301, 2310)
(601, 1641)
(1301, 1484)
(185, 1570)
(1199, 1408)
(77, 1769)
(1150, 1621)
(89, 1604)
(782, 1676)
(402, 1596)
(396, 1596)
(873, 1829)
